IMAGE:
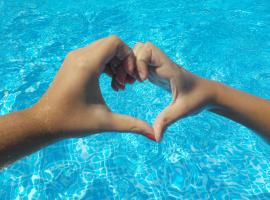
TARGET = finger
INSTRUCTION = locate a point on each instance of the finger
(130, 79)
(120, 85)
(124, 123)
(136, 51)
(105, 50)
(108, 70)
(116, 85)
(168, 116)
(129, 64)
(135, 74)
(115, 62)
(137, 48)
(142, 69)
(122, 68)
(143, 59)
(120, 75)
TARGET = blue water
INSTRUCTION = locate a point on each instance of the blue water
(201, 157)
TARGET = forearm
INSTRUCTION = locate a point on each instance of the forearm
(251, 111)
(21, 133)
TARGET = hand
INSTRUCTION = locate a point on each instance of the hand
(190, 93)
(74, 106)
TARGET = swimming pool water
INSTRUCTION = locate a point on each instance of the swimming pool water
(201, 157)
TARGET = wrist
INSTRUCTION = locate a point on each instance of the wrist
(218, 90)
(42, 118)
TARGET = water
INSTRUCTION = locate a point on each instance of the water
(203, 157)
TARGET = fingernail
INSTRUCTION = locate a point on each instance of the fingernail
(142, 77)
(118, 81)
(122, 87)
(150, 136)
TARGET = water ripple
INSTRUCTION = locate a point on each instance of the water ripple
(202, 157)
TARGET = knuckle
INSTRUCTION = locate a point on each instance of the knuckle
(114, 38)
(139, 44)
(149, 44)
(71, 55)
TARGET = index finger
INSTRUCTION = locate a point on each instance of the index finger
(105, 49)
(143, 59)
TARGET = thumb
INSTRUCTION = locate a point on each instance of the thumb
(168, 116)
(125, 123)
